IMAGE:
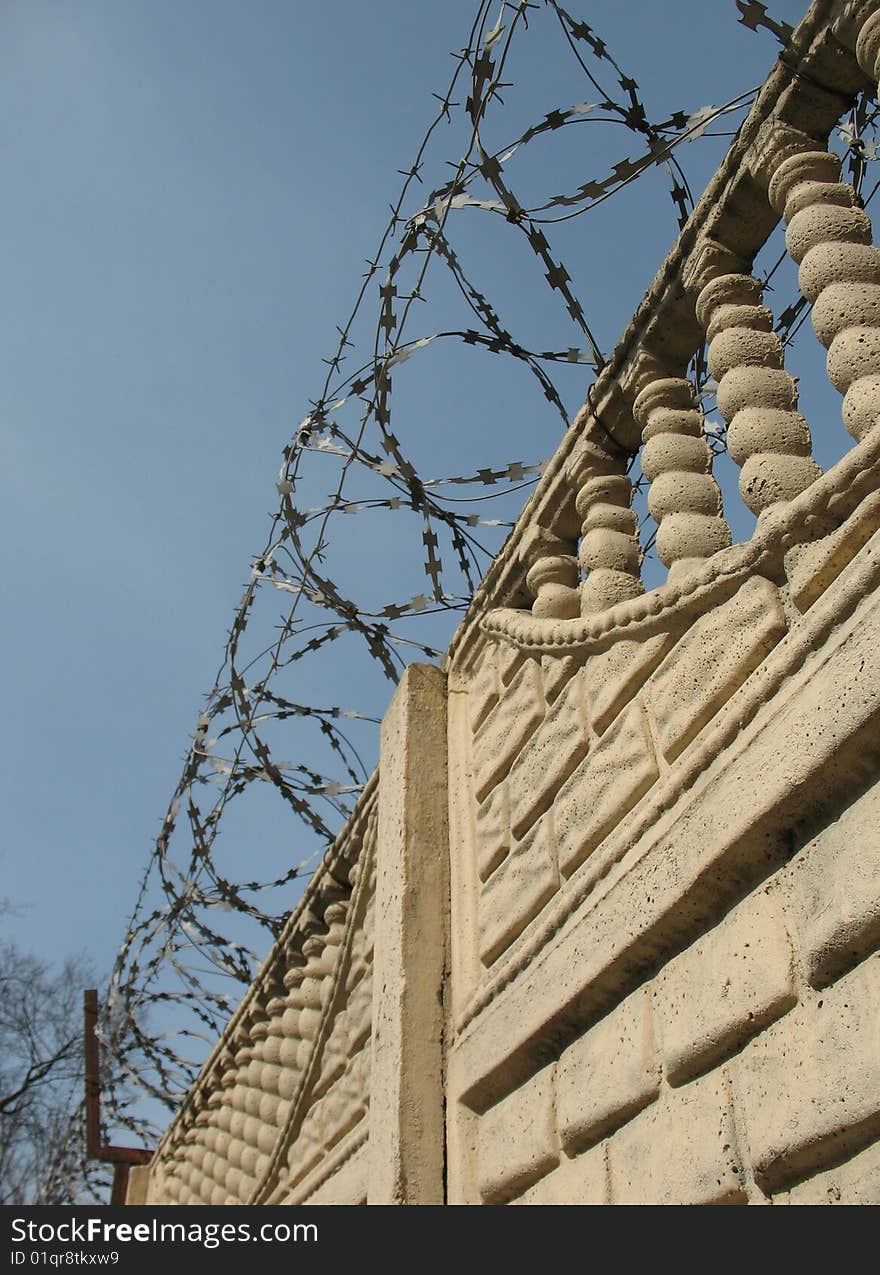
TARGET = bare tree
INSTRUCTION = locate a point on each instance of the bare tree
(42, 1137)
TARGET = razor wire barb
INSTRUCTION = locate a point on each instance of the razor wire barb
(178, 962)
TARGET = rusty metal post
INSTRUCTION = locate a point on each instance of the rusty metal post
(120, 1183)
(93, 1076)
(96, 1149)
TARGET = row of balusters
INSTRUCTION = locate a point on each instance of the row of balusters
(222, 1155)
(828, 235)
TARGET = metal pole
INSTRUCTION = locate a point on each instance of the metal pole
(120, 1157)
(120, 1183)
(93, 1076)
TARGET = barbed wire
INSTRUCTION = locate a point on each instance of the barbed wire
(197, 928)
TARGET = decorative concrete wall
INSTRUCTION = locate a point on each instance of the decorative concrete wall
(281, 1110)
(605, 927)
(666, 898)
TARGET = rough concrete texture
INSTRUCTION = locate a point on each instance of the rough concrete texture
(518, 1141)
(493, 830)
(549, 757)
(412, 898)
(680, 1150)
(812, 567)
(833, 889)
(614, 677)
(628, 951)
(608, 1074)
(726, 987)
(582, 1180)
(509, 724)
(517, 890)
(710, 907)
(604, 787)
(708, 665)
(347, 1185)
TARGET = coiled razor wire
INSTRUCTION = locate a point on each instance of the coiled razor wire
(191, 943)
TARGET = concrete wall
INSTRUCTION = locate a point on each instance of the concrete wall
(604, 928)
(280, 1111)
(666, 909)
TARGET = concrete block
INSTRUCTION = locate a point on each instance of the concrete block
(857, 1181)
(558, 745)
(811, 568)
(726, 987)
(510, 723)
(138, 1184)
(348, 1185)
(680, 1150)
(615, 676)
(493, 830)
(583, 1180)
(604, 788)
(811, 1082)
(485, 687)
(712, 661)
(608, 1074)
(517, 890)
(556, 672)
(510, 661)
(835, 891)
(517, 1140)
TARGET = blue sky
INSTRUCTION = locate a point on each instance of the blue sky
(191, 189)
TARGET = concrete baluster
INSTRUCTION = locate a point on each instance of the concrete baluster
(553, 581)
(609, 554)
(767, 437)
(684, 498)
(829, 237)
